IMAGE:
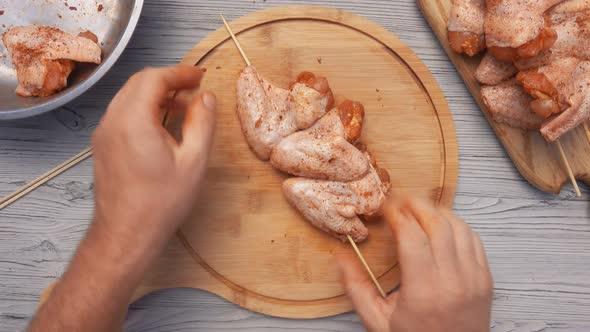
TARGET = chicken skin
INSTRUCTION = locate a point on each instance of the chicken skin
(571, 6)
(509, 104)
(562, 87)
(578, 92)
(293, 129)
(518, 28)
(335, 206)
(324, 151)
(311, 97)
(573, 35)
(466, 26)
(44, 57)
(550, 86)
(492, 71)
(269, 113)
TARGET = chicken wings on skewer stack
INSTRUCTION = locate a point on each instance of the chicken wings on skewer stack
(44, 57)
(552, 71)
(338, 181)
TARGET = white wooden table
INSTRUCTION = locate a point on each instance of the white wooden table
(538, 244)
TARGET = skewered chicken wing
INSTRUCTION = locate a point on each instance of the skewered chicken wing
(573, 36)
(518, 28)
(551, 86)
(571, 6)
(492, 71)
(466, 26)
(44, 57)
(324, 151)
(335, 206)
(263, 111)
(311, 97)
(562, 86)
(269, 113)
(509, 104)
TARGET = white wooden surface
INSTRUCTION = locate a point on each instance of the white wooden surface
(538, 244)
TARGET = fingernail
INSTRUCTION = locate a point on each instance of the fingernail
(209, 101)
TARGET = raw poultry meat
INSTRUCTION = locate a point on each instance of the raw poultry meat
(518, 28)
(466, 26)
(551, 86)
(264, 116)
(509, 104)
(269, 113)
(579, 99)
(44, 57)
(324, 151)
(573, 36)
(292, 128)
(562, 87)
(492, 71)
(335, 206)
(571, 6)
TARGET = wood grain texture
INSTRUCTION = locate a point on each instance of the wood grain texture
(538, 244)
(537, 160)
(248, 244)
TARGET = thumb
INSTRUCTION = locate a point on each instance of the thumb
(364, 295)
(198, 128)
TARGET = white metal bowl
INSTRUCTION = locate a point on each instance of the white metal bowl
(112, 21)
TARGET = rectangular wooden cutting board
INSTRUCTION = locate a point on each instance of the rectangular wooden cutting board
(537, 160)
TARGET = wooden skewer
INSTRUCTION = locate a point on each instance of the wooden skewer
(22, 191)
(352, 243)
(568, 169)
(231, 33)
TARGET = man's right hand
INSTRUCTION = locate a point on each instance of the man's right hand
(446, 284)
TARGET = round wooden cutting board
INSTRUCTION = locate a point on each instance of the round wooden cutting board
(243, 241)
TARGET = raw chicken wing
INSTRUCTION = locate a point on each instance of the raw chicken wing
(44, 57)
(269, 113)
(573, 40)
(335, 206)
(509, 104)
(311, 97)
(518, 28)
(575, 93)
(551, 86)
(466, 26)
(263, 111)
(324, 151)
(492, 71)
